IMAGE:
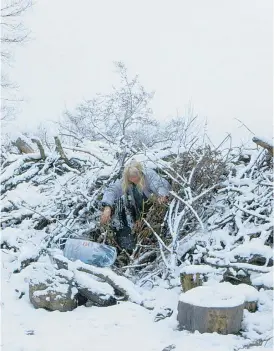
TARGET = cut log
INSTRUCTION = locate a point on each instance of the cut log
(23, 147)
(251, 296)
(121, 285)
(98, 293)
(209, 309)
(268, 145)
(251, 306)
(190, 281)
(194, 275)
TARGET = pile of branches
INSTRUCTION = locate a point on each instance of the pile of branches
(218, 202)
(220, 214)
(239, 230)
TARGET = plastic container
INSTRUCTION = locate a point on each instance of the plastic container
(90, 252)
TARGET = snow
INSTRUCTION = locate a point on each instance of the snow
(127, 325)
(86, 281)
(24, 192)
(212, 296)
(121, 281)
(194, 269)
(264, 279)
(265, 140)
(251, 294)
(254, 247)
(123, 327)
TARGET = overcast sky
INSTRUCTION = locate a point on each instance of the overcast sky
(215, 53)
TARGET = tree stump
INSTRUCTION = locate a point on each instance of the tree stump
(193, 276)
(211, 309)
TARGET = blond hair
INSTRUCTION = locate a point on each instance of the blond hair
(134, 169)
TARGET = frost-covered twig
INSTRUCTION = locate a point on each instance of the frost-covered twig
(190, 207)
(87, 152)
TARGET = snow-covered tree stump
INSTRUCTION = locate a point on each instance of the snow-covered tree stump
(193, 276)
(209, 309)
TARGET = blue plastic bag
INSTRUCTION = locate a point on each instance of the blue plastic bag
(90, 252)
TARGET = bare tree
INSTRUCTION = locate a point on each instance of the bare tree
(111, 116)
(13, 32)
(12, 29)
(183, 129)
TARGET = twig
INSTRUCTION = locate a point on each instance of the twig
(87, 152)
(190, 207)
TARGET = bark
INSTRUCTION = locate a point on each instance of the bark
(61, 151)
(223, 320)
(40, 147)
(23, 147)
(264, 144)
(190, 281)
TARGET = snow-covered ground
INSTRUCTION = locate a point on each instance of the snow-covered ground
(123, 327)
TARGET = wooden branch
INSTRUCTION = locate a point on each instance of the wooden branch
(87, 152)
(23, 147)
(263, 143)
(61, 152)
(119, 283)
(40, 147)
(240, 266)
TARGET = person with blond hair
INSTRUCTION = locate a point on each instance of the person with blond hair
(125, 198)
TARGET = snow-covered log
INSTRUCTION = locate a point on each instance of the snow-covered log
(120, 284)
(23, 146)
(266, 144)
(210, 310)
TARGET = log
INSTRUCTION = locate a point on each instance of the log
(209, 309)
(265, 144)
(190, 281)
(194, 275)
(250, 293)
(121, 285)
(40, 147)
(61, 152)
(23, 147)
(251, 306)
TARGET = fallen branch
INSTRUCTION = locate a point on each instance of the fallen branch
(190, 207)
(87, 152)
(119, 283)
(40, 147)
(61, 152)
(239, 266)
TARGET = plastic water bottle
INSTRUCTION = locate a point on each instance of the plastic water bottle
(90, 252)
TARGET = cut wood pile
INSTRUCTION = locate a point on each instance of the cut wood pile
(220, 215)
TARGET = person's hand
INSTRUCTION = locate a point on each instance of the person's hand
(105, 216)
(162, 199)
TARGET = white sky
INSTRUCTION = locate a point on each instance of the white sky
(215, 53)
